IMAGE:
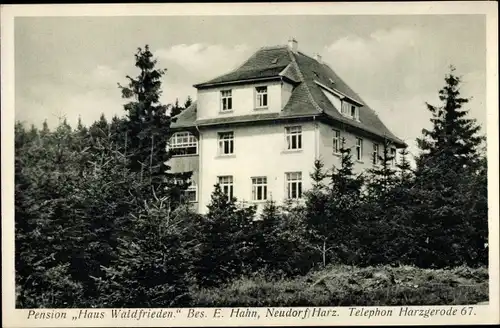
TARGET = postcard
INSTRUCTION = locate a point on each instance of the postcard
(248, 164)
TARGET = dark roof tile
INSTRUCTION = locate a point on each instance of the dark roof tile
(307, 97)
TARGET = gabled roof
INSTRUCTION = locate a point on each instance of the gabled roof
(309, 77)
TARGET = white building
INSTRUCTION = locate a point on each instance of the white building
(258, 129)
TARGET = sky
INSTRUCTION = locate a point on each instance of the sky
(70, 66)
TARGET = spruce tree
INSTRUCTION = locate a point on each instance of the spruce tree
(405, 171)
(445, 171)
(176, 108)
(454, 140)
(319, 222)
(148, 127)
(226, 237)
(332, 212)
(188, 102)
(382, 177)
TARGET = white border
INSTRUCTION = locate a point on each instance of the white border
(17, 318)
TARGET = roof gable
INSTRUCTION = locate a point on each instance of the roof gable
(265, 63)
(310, 79)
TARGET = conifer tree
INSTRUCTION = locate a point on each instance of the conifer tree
(318, 220)
(382, 177)
(453, 141)
(188, 102)
(176, 108)
(148, 126)
(445, 172)
(404, 167)
(226, 239)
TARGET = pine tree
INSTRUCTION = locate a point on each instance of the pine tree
(318, 220)
(148, 126)
(445, 171)
(382, 177)
(404, 167)
(176, 108)
(343, 179)
(188, 102)
(453, 141)
(227, 240)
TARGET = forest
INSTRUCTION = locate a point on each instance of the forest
(101, 221)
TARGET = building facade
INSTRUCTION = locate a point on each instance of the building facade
(258, 129)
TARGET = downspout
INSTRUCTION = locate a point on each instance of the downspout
(199, 193)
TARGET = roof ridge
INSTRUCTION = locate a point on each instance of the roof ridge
(279, 46)
(301, 76)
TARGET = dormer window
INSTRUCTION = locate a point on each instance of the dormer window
(261, 97)
(226, 100)
(353, 111)
(350, 110)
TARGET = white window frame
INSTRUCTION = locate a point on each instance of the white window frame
(192, 188)
(347, 108)
(376, 154)
(183, 140)
(223, 138)
(393, 155)
(226, 100)
(356, 112)
(261, 97)
(359, 149)
(293, 133)
(259, 183)
(336, 141)
(293, 179)
(226, 183)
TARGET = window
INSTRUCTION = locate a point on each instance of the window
(226, 143)
(336, 141)
(359, 149)
(376, 158)
(393, 156)
(226, 184)
(293, 137)
(350, 110)
(294, 185)
(354, 112)
(261, 97)
(226, 100)
(190, 193)
(183, 143)
(345, 108)
(259, 188)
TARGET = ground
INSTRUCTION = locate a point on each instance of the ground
(349, 286)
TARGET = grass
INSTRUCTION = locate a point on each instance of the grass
(352, 286)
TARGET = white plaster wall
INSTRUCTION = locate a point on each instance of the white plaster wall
(330, 159)
(258, 151)
(209, 100)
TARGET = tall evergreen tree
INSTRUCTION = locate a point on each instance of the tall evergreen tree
(453, 141)
(445, 171)
(148, 127)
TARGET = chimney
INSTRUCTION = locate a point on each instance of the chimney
(318, 58)
(293, 45)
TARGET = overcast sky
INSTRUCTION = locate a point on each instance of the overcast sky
(71, 65)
